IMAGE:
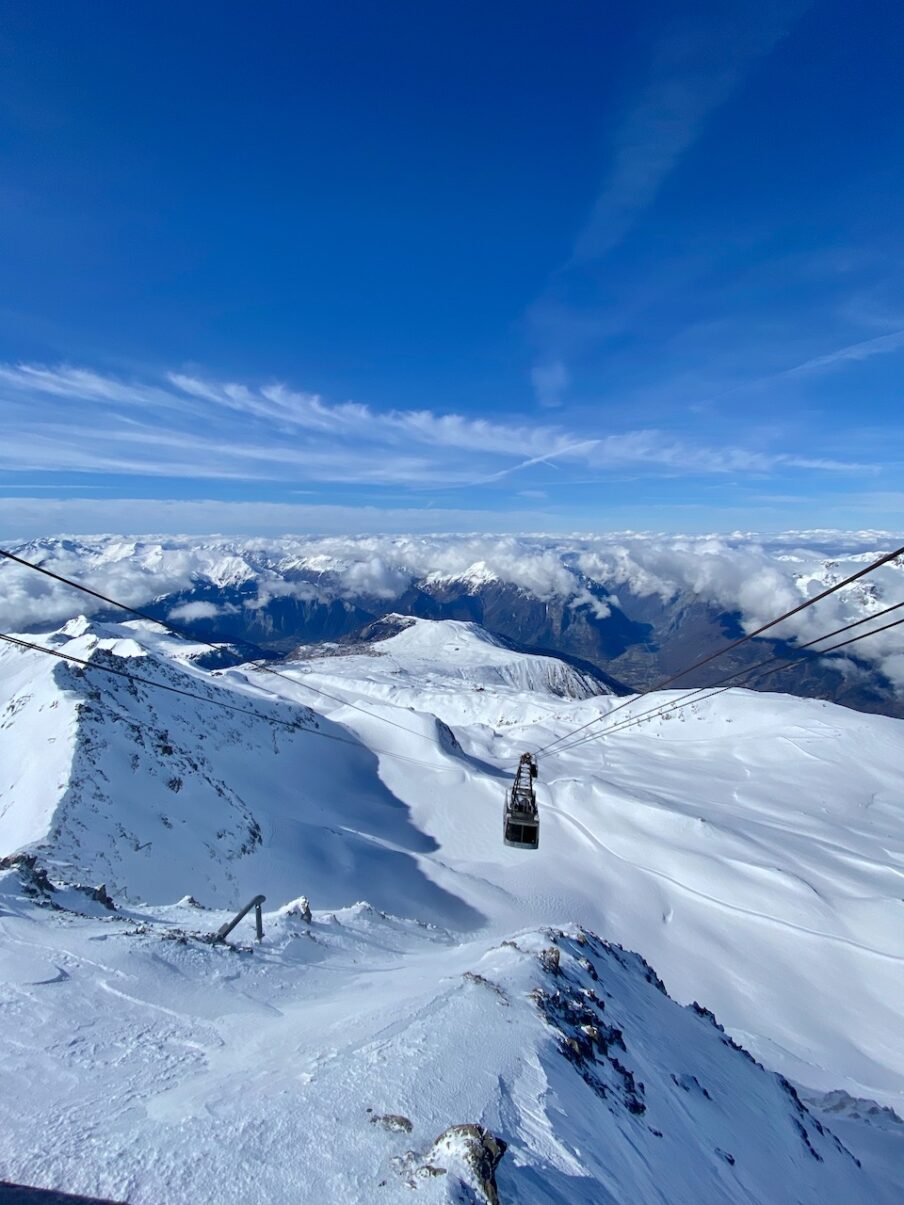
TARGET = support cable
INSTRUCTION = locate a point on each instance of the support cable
(185, 634)
(749, 669)
(293, 726)
(562, 741)
(809, 602)
(717, 688)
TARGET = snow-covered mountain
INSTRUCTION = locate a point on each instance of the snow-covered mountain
(750, 847)
(159, 795)
(356, 1058)
(459, 655)
(637, 607)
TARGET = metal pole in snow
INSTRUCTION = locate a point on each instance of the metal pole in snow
(225, 930)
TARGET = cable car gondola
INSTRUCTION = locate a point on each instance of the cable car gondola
(521, 827)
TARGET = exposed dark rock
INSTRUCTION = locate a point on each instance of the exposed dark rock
(481, 981)
(549, 960)
(99, 894)
(383, 629)
(839, 1103)
(589, 1042)
(690, 1083)
(33, 877)
(392, 1121)
(469, 1153)
(805, 1118)
(477, 1150)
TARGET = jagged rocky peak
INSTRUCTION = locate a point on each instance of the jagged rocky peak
(476, 575)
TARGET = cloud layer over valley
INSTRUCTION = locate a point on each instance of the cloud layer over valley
(755, 577)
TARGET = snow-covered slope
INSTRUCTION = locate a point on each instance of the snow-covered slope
(359, 1058)
(451, 655)
(750, 847)
(158, 795)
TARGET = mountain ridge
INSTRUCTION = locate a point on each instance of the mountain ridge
(637, 612)
(599, 1085)
(750, 847)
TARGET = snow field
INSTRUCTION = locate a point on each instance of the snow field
(240, 1075)
(751, 847)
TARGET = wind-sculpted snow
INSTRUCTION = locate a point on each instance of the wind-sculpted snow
(750, 846)
(356, 1057)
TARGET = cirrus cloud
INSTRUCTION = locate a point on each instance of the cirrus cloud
(75, 420)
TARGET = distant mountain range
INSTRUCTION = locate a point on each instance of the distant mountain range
(634, 613)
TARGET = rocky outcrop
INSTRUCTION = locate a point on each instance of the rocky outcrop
(468, 1152)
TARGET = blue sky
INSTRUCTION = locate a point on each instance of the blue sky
(453, 267)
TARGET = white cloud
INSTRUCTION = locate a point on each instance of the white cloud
(270, 586)
(853, 352)
(694, 69)
(692, 73)
(550, 381)
(116, 569)
(81, 384)
(196, 610)
(893, 668)
(658, 448)
(757, 577)
(196, 429)
(310, 412)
